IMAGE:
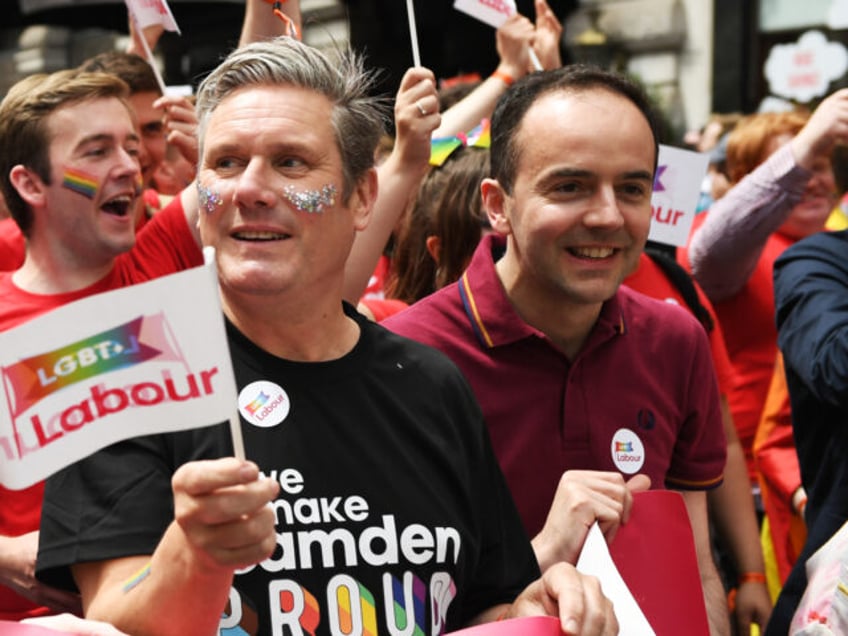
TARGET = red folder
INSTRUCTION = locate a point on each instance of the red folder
(655, 555)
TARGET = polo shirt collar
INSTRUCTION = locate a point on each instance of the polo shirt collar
(491, 314)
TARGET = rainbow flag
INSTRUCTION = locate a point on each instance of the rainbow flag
(624, 447)
(80, 182)
(481, 136)
(134, 361)
(442, 147)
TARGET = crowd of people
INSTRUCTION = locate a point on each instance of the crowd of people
(457, 300)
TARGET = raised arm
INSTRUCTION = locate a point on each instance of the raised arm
(512, 40)
(416, 115)
(260, 22)
(546, 40)
(725, 249)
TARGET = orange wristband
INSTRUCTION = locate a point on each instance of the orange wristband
(505, 77)
(752, 577)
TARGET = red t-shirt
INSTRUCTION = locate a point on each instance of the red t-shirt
(650, 280)
(747, 320)
(12, 246)
(164, 246)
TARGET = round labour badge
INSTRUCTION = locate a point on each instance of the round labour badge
(628, 453)
(263, 403)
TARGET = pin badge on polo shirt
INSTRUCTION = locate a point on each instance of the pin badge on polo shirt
(263, 403)
(628, 452)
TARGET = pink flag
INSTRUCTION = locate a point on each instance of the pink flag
(147, 13)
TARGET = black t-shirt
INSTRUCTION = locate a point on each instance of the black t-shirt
(393, 506)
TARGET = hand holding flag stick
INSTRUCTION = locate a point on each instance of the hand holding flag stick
(495, 13)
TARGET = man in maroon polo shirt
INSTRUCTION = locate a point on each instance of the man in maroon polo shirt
(574, 372)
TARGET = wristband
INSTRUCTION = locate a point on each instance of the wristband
(752, 577)
(277, 9)
(505, 77)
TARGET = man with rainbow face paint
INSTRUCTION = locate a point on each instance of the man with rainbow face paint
(69, 172)
(370, 501)
(158, 119)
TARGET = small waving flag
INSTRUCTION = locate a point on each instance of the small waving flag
(443, 147)
(147, 13)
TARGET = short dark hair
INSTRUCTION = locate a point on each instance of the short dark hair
(577, 78)
(132, 69)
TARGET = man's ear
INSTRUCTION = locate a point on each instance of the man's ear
(494, 202)
(28, 184)
(362, 199)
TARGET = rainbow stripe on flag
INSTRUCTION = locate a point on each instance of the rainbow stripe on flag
(442, 147)
(480, 136)
(80, 182)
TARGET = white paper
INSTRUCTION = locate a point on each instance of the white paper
(595, 560)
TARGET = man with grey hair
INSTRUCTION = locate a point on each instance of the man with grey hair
(372, 501)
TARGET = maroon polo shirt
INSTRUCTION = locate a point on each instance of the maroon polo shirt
(639, 397)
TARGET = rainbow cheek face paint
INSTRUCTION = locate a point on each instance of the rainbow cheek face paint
(80, 182)
(208, 198)
(311, 201)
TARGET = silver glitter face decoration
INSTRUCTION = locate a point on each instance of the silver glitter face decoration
(311, 201)
(208, 198)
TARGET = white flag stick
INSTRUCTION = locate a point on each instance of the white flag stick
(148, 53)
(535, 59)
(235, 423)
(413, 34)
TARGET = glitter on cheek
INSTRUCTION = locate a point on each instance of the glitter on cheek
(311, 201)
(208, 198)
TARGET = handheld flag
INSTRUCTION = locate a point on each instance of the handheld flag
(143, 359)
(494, 13)
(151, 14)
(147, 13)
(442, 147)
